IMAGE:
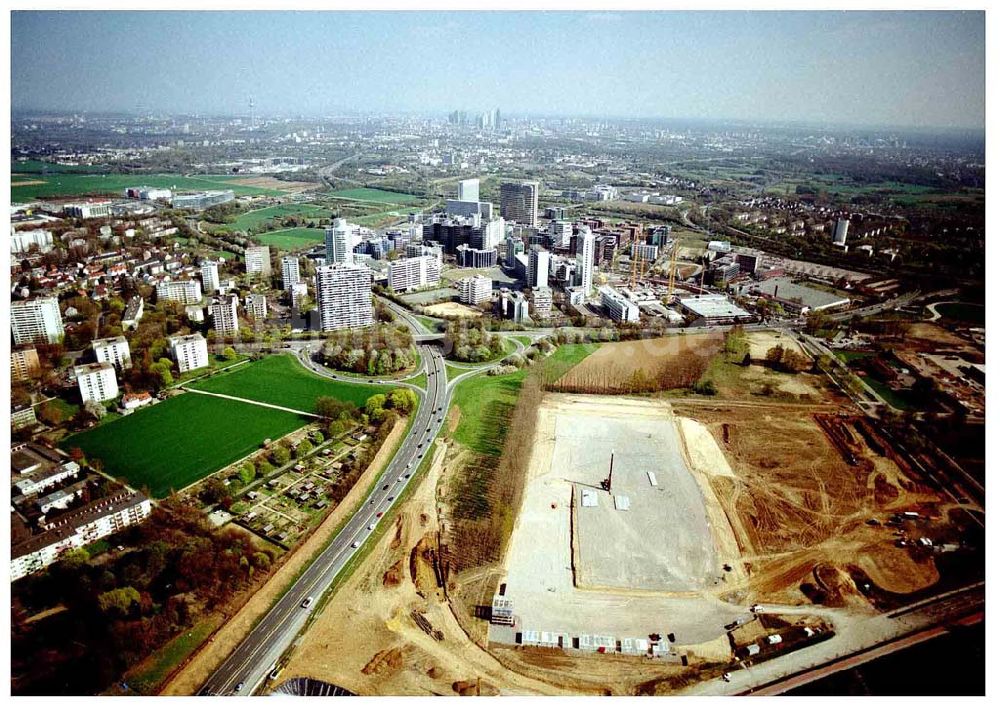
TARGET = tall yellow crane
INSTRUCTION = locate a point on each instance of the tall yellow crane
(672, 270)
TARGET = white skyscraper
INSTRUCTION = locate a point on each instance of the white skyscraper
(344, 296)
(290, 274)
(585, 260)
(36, 320)
(560, 233)
(538, 267)
(474, 290)
(258, 261)
(468, 190)
(209, 276)
(187, 292)
(340, 239)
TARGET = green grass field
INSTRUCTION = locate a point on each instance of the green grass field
(477, 397)
(251, 219)
(291, 239)
(283, 381)
(481, 395)
(368, 194)
(177, 442)
(36, 167)
(71, 185)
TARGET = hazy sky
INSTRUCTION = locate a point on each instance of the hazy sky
(904, 68)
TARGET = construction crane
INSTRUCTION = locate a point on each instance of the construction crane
(606, 483)
(672, 270)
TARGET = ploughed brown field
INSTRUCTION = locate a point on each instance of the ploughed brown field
(634, 366)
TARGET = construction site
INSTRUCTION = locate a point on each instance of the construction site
(648, 532)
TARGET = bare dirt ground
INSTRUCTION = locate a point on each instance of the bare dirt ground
(450, 308)
(799, 510)
(191, 677)
(369, 640)
(759, 342)
(271, 183)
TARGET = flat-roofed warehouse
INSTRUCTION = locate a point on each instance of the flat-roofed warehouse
(713, 309)
(787, 290)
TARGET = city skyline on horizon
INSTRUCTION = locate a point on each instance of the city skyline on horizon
(740, 67)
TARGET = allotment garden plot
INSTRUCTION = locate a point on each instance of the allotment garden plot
(171, 445)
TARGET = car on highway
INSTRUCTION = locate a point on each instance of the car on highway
(385, 487)
(378, 514)
(371, 526)
(273, 675)
(307, 602)
(391, 498)
(239, 687)
(399, 479)
(356, 544)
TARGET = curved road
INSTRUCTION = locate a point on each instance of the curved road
(247, 667)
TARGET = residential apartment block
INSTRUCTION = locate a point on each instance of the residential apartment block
(97, 381)
(344, 296)
(113, 350)
(189, 351)
(36, 321)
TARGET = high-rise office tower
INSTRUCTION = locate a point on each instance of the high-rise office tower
(344, 296)
(468, 190)
(519, 202)
(339, 240)
(585, 260)
(538, 267)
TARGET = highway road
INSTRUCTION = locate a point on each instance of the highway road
(249, 664)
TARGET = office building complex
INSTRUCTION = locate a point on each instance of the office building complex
(560, 234)
(190, 352)
(225, 318)
(97, 381)
(114, 351)
(468, 190)
(186, 292)
(519, 202)
(209, 276)
(258, 261)
(469, 257)
(619, 308)
(538, 267)
(473, 290)
(290, 273)
(202, 200)
(512, 305)
(414, 272)
(344, 296)
(36, 321)
(339, 240)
